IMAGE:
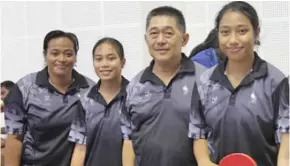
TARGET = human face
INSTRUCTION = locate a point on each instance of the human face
(164, 38)
(60, 56)
(236, 36)
(4, 92)
(107, 62)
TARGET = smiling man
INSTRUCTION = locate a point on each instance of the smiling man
(155, 114)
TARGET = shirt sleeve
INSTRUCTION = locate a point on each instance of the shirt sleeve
(197, 126)
(283, 107)
(126, 120)
(77, 132)
(14, 112)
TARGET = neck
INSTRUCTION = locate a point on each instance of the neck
(168, 69)
(241, 68)
(61, 82)
(111, 86)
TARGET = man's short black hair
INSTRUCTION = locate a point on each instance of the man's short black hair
(167, 11)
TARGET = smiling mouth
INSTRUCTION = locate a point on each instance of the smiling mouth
(61, 66)
(105, 71)
(235, 49)
(162, 51)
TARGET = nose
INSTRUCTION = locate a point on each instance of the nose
(61, 58)
(104, 63)
(233, 39)
(161, 39)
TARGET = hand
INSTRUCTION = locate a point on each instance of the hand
(2, 143)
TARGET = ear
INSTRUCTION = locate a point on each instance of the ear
(257, 36)
(44, 55)
(123, 62)
(258, 32)
(145, 38)
(185, 38)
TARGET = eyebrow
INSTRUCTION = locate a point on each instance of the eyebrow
(65, 50)
(110, 54)
(69, 50)
(239, 25)
(96, 55)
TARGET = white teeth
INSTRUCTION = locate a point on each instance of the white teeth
(162, 51)
(105, 72)
(234, 49)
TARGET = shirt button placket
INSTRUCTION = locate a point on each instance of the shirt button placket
(233, 99)
(167, 93)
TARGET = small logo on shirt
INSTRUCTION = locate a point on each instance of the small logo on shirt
(216, 87)
(43, 90)
(46, 98)
(185, 90)
(253, 98)
(147, 94)
(214, 100)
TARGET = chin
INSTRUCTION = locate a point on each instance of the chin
(106, 78)
(162, 58)
(61, 72)
(236, 59)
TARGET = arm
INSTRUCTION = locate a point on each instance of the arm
(198, 131)
(77, 135)
(15, 120)
(13, 149)
(128, 156)
(3, 143)
(78, 155)
(283, 121)
(201, 152)
(283, 156)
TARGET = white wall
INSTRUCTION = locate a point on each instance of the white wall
(24, 25)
